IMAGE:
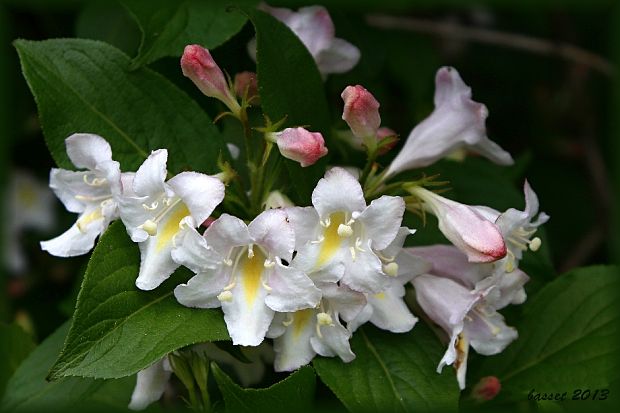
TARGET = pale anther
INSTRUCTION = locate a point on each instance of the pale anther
(535, 244)
(391, 269)
(225, 296)
(268, 263)
(345, 231)
(324, 319)
(150, 227)
(151, 207)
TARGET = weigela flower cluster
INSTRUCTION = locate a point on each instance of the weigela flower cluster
(308, 276)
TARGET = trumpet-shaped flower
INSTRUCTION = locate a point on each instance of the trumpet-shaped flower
(340, 228)
(152, 210)
(518, 227)
(239, 267)
(465, 227)
(90, 193)
(457, 122)
(301, 335)
(449, 262)
(387, 309)
(466, 317)
(315, 29)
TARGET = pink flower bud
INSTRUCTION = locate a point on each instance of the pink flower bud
(198, 65)
(300, 145)
(361, 111)
(486, 389)
(247, 85)
(465, 227)
(382, 135)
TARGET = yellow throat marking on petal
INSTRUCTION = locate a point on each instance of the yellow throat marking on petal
(380, 296)
(83, 222)
(300, 320)
(332, 240)
(251, 270)
(171, 227)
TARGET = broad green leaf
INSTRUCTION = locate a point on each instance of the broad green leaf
(86, 86)
(28, 390)
(117, 329)
(15, 345)
(391, 373)
(168, 26)
(296, 392)
(290, 85)
(568, 337)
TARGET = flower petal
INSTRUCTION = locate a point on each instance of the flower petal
(334, 342)
(390, 311)
(227, 232)
(488, 333)
(364, 272)
(272, 230)
(291, 290)
(341, 57)
(313, 26)
(305, 222)
(246, 315)
(191, 251)
(77, 240)
(338, 191)
(86, 150)
(293, 348)
(151, 175)
(201, 193)
(72, 190)
(150, 385)
(382, 219)
(201, 291)
(344, 301)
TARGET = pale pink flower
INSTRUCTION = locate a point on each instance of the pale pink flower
(361, 111)
(300, 145)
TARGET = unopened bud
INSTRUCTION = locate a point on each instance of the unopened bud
(277, 199)
(300, 145)
(198, 65)
(486, 389)
(361, 111)
(246, 86)
(386, 140)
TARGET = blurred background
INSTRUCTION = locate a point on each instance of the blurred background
(547, 71)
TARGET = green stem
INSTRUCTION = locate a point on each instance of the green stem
(372, 156)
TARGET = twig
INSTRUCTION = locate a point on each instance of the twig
(512, 40)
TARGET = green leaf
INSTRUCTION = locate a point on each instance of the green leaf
(86, 86)
(168, 26)
(290, 85)
(296, 392)
(391, 373)
(28, 390)
(568, 337)
(15, 345)
(117, 329)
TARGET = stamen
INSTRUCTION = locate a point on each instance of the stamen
(94, 182)
(150, 227)
(383, 257)
(266, 287)
(151, 207)
(288, 321)
(345, 231)
(225, 296)
(355, 214)
(521, 244)
(324, 319)
(85, 198)
(391, 269)
(268, 263)
(358, 245)
(166, 201)
(352, 250)
(326, 223)
(251, 251)
(535, 244)
(510, 261)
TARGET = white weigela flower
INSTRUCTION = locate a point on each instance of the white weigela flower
(239, 267)
(90, 193)
(315, 29)
(387, 309)
(340, 228)
(518, 227)
(152, 210)
(457, 122)
(300, 336)
(466, 317)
